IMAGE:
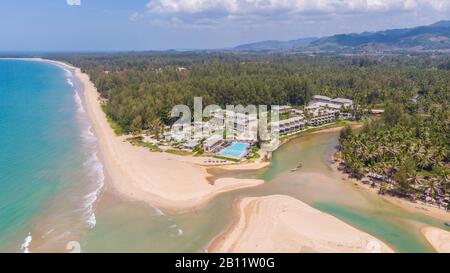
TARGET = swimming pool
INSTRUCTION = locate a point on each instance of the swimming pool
(236, 149)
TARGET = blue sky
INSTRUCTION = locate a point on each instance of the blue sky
(60, 25)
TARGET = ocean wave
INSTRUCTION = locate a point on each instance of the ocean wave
(180, 232)
(92, 165)
(26, 243)
(159, 212)
(70, 82)
(88, 136)
(68, 72)
(79, 102)
(96, 171)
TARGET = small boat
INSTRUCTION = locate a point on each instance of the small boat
(298, 167)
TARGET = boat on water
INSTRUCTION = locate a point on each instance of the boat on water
(298, 167)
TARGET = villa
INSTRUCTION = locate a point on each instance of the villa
(213, 144)
(322, 109)
(282, 108)
(191, 144)
(289, 126)
(342, 102)
(326, 110)
(333, 103)
(319, 98)
(244, 125)
(323, 116)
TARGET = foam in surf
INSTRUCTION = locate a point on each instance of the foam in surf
(26, 244)
(93, 165)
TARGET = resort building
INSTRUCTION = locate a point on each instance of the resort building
(244, 125)
(282, 108)
(377, 111)
(342, 102)
(325, 110)
(333, 103)
(319, 98)
(323, 116)
(289, 126)
(213, 144)
(178, 133)
(191, 144)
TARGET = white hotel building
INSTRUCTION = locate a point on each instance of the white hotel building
(325, 110)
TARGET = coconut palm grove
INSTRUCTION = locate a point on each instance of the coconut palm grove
(404, 153)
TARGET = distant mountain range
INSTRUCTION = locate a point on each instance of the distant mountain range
(276, 45)
(423, 38)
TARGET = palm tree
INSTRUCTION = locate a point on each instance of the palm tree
(415, 179)
(156, 127)
(383, 188)
(425, 161)
(431, 187)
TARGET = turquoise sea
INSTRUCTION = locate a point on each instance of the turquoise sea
(50, 175)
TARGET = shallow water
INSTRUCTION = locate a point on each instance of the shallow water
(146, 230)
(49, 172)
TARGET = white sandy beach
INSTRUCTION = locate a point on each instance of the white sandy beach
(167, 181)
(438, 238)
(164, 180)
(404, 204)
(283, 224)
(179, 183)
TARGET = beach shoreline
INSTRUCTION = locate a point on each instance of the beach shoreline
(408, 205)
(128, 167)
(139, 175)
(283, 224)
(438, 238)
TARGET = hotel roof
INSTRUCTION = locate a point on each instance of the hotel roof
(315, 105)
(191, 144)
(212, 140)
(320, 97)
(342, 100)
(281, 107)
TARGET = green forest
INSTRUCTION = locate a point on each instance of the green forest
(408, 146)
(142, 88)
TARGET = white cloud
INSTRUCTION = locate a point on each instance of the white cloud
(440, 5)
(286, 10)
(73, 2)
(204, 12)
(293, 6)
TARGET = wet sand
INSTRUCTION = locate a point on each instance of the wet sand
(438, 238)
(280, 223)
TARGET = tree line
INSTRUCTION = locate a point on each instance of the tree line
(142, 88)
